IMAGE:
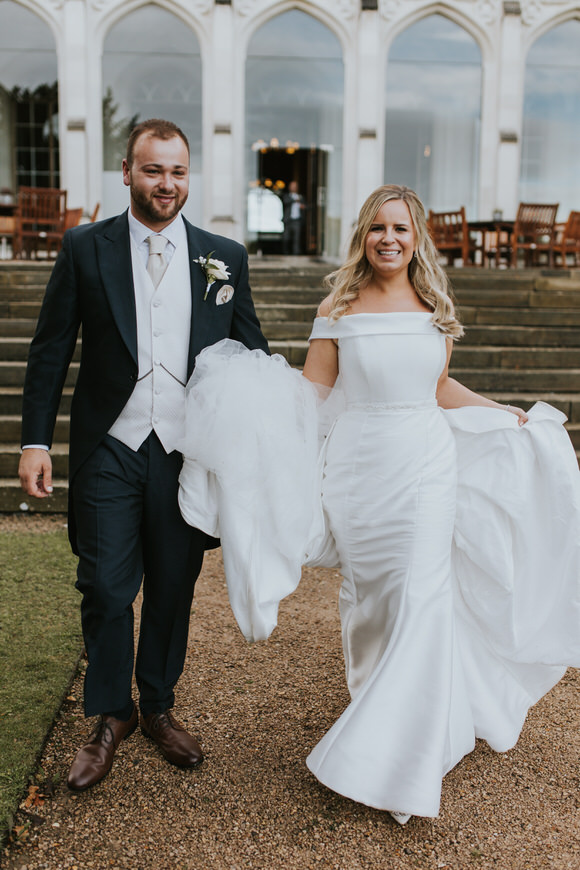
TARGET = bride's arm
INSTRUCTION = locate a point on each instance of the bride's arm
(452, 394)
(321, 366)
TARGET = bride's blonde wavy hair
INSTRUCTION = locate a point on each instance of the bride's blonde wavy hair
(425, 274)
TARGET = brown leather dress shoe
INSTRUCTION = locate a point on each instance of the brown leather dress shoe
(176, 745)
(94, 760)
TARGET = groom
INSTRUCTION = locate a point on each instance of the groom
(148, 297)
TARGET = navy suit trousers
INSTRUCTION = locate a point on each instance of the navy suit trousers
(130, 532)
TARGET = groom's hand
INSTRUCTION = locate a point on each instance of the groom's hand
(35, 472)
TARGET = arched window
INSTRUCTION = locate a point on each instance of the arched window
(294, 110)
(433, 111)
(28, 100)
(151, 69)
(550, 163)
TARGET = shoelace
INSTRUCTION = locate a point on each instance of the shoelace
(103, 733)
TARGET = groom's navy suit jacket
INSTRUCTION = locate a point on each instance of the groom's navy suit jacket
(91, 287)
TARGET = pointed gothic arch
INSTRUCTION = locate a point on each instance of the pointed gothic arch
(294, 98)
(433, 112)
(550, 160)
(151, 67)
(29, 135)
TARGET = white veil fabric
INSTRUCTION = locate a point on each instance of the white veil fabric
(252, 476)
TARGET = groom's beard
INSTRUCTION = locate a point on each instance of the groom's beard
(151, 209)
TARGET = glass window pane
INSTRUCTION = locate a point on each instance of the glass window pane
(433, 109)
(151, 69)
(27, 48)
(550, 163)
(294, 108)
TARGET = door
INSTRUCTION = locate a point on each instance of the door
(307, 168)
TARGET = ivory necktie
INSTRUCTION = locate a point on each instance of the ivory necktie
(156, 264)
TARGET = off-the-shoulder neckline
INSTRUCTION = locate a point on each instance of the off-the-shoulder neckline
(375, 314)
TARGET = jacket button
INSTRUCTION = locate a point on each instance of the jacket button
(133, 376)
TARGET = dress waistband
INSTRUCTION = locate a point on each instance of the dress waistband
(426, 405)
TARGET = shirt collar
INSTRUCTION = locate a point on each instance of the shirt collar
(173, 232)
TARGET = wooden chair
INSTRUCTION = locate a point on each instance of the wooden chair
(450, 233)
(7, 227)
(40, 220)
(567, 243)
(534, 233)
(72, 218)
(93, 216)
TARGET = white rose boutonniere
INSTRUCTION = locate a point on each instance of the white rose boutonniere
(214, 270)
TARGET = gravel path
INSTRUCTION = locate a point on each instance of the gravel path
(258, 710)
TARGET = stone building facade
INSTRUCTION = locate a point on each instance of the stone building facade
(470, 102)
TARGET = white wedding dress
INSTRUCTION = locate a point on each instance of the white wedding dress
(457, 534)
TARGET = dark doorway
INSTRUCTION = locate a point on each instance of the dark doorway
(277, 167)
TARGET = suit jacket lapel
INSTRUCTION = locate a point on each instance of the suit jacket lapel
(200, 312)
(114, 260)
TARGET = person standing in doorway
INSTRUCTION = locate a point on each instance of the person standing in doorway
(294, 209)
(149, 290)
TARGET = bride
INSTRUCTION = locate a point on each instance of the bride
(455, 521)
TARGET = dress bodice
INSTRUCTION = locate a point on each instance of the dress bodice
(390, 358)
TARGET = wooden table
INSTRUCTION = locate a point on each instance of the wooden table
(496, 237)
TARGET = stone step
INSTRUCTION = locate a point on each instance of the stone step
(283, 313)
(481, 315)
(472, 278)
(484, 297)
(17, 327)
(517, 358)
(23, 293)
(14, 500)
(521, 336)
(20, 274)
(18, 309)
(532, 381)
(10, 456)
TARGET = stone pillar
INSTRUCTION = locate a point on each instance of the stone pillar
(489, 130)
(370, 104)
(73, 105)
(510, 109)
(224, 137)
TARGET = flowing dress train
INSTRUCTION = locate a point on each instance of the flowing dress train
(457, 534)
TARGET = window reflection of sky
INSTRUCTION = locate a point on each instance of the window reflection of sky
(295, 92)
(551, 127)
(27, 48)
(433, 113)
(435, 39)
(152, 66)
(295, 34)
(151, 30)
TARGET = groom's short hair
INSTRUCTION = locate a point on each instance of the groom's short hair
(155, 127)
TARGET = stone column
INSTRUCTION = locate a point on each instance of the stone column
(73, 105)
(510, 109)
(224, 137)
(370, 103)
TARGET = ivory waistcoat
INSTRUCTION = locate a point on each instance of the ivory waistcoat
(163, 327)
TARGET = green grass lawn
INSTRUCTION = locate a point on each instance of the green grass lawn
(40, 642)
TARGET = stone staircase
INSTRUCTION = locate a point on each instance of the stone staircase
(522, 344)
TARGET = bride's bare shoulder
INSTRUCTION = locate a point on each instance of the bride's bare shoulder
(325, 307)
